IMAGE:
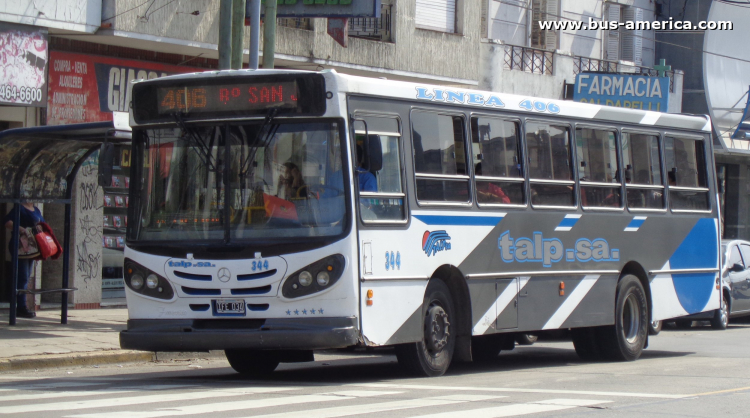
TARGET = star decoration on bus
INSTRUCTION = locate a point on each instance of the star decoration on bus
(288, 312)
(296, 312)
(304, 311)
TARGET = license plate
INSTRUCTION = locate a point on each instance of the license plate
(230, 306)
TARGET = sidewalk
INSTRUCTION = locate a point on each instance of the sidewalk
(90, 337)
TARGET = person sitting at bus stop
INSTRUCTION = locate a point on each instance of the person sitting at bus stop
(30, 217)
(488, 192)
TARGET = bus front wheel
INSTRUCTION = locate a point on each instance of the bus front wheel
(432, 355)
(252, 362)
(624, 341)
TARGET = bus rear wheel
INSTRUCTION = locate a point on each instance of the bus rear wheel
(252, 362)
(624, 341)
(432, 355)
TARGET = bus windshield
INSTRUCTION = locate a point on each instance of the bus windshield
(282, 180)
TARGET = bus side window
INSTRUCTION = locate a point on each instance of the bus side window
(598, 170)
(686, 171)
(440, 157)
(498, 170)
(644, 186)
(550, 167)
(378, 171)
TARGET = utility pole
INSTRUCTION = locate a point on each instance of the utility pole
(225, 35)
(238, 32)
(269, 34)
(254, 33)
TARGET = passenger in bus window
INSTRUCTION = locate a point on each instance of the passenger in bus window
(291, 183)
(488, 192)
(367, 180)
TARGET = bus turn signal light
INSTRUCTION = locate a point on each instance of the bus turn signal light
(369, 297)
(562, 288)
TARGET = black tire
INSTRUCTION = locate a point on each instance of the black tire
(252, 362)
(625, 340)
(586, 344)
(654, 327)
(526, 339)
(683, 324)
(432, 356)
(721, 316)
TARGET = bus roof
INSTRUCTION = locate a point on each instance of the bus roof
(477, 99)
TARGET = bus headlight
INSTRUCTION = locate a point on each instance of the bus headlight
(305, 278)
(326, 272)
(323, 278)
(156, 286)
(152, 281)
(136, 281)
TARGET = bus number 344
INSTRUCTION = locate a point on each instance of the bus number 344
(392, 262)
(260, 265)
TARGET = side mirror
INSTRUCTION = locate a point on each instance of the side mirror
(736, 268)
(106, 163)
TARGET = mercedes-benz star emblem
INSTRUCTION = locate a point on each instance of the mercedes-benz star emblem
(224, 274)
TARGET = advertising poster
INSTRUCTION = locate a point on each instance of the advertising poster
(88, 88)
(23, 65)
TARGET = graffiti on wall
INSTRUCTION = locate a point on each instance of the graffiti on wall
(88, 253)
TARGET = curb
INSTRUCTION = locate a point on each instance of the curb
(51, 361)
(74, 359)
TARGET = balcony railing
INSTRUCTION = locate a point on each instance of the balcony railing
(592, 65)
(530, 60)
(378, 29)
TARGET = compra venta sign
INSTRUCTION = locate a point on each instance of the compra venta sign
(630, 91)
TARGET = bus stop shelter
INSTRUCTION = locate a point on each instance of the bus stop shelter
(40, 165)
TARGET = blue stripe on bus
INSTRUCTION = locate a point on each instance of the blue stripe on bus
(568, 222)
(698, 250)
(460, 220)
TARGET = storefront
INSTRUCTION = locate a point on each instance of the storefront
(89, 88)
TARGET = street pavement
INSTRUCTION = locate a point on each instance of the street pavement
(77, 370)
(696, 373)
(91, 336)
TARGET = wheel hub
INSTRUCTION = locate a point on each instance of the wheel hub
(437, 328)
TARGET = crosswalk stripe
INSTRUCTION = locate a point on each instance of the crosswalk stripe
(344, 411)
(133, 400)
(43, 386)
(219, 407)
(516, 409)
(520, 390)
(40, 395)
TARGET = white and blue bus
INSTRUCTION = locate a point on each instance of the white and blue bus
(273, 213)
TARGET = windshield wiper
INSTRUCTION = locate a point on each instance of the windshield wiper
(198, 142)
(264, 142)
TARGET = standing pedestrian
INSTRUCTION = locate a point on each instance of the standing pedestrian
(30, 217)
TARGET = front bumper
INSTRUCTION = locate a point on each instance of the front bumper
(221, 334)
